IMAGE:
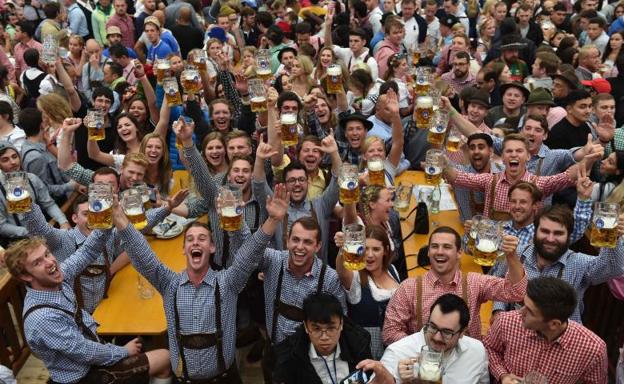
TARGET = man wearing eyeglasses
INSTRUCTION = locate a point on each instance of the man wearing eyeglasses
(464, 358)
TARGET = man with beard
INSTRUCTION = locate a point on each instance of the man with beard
(408, 309)
(572, 131)
(460, 77)
(564, 83)
(514, 96)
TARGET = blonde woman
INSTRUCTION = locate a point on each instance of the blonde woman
(326, 57)
(77, 57)
(300, 77)
(487, 29)
(54, 110)
(159, 173)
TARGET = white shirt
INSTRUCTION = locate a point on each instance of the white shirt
(433, 29)
(411, 32)
(321, 365)
(354, 294)
(347, 57)
(374, 18)
(467, 363)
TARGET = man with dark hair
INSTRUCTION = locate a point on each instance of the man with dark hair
(326, 335)
(24, 32)
(113, 37)
(459, 77)
(542, 338)
(189, 37)
(113, 74)
(275, 37)
(466, 359)
(120, 55)
(52, 26)
(122, 20)
(596, 34)
(573, 130)
(409, 307)
(528, 28)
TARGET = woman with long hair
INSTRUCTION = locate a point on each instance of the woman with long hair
(54, 110)
(362, 94)
(611, 189)
(326, 57)
(77, 57)
(370, 289)
(300, 75)
(128, 141)
(611, 53)
(398, 71)
(487, 30)
(213, 149)
(159, 173)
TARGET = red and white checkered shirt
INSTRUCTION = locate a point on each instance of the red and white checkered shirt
(401, 320)
(577, 356)
(482, 182)
(462, 156)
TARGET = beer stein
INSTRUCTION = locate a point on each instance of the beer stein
(434, 165)
(403, 197)
(376, 174)
(349, 186)
(474, 231)
(430, 367)
(415, 53)
(190, 80)
(534, 378)
(453, 140)
(353, 250)
(172, 92)
(334, 79)
(435, 96)
(488, 242)
(263, 64)
(145, 195)
(231, 208)
(424, 111)
(437, 131)
(604, 225)
(132, 204)
(95, 125)
(162, 70)
(290, 135)
(100, 215)
(49, 51)
(17, 193)
(423, 80)
(257, 95)
(200, 59)
(145, 289)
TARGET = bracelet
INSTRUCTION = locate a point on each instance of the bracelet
(452, 112)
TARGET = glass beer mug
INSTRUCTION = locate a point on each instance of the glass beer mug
(403, 197)
(145, 195)
(263, 64)
(434, 165)
(257, 95)
(430, 367)
(231, 210)
(349, 186)
(95, 125)
(604, 225)
(453, 140)
(190, 80)
(162, 70)
(424, 111)
(353, 250)
(334, 79)
(50, 49)
(100, 215)
(415, 52)
(290, 135)
(376, 174)
(423, 81)
(488, 242)
(200, 60)
(172, 92)
(132, 204)
(18, 195)
(437, 131)
(474, 232)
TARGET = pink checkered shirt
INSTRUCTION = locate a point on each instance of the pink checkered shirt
(400, 318)
(462, 156)
(577, 356)
(482, 182)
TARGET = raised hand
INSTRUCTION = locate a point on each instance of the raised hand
(339, 239)
(177, 199)
(584, 186)
(328, 144)
(620, 227)
(71, 124)
(139, 70)
(392, 102)
(241, 84)
(510, 244)
(605, 129)
(184, 131)
(272, 96)
(264, 150)
(277, 206)
(309, 101)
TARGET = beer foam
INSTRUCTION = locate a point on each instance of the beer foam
(163, 66)
(429, 371)
(263, 71)
(424, 102)
(486, 246)
(454, 139)
(334, 71)
(145, 198)
(229, 212)
(606, 222)
(99, 206)
(375, 165)
(354, 248)
(288, 118)
(258, 99)
(134, 211)
(348, 184)
(21, 195)
(433, 170)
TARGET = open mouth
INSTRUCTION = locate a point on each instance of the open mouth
(53, 271)
(514, 164)
(153, 157)
(440, 259)
(196, 255)
(299, 256)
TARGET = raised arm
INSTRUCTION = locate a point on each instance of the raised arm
(396, 150)
(163, 121)
(329, 19)
(86, 254)
(148, 91)
(95, 153)
(36, 225)
(583, 208)
(65, 160)
(274, 128)
(463, 125)
(610, 261)
(345, 275)
(263, 152)
(72, 94)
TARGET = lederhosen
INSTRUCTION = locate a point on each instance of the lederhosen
(205, 341)
(493, 214)
(419, 301)
(131, 370)
(92, 271)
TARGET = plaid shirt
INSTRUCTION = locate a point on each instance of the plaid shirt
(400, 313)
(294, 289)
(617, 143)
(54, 336)
(196, 304)
(555, 160)
(482, 182)
(577, 356)
(347, 154)
(462, 195)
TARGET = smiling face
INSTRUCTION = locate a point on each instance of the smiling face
(355, 132)
(102, 103)
(240, 174)
(214, 152)
(374, 255)
(513, 99)
(443, 253)
(550, 239)
(221, 117)
(310, 156)
(42, 270)
(322, 111)
(238, 146)
(479, 153)
(477, 113)
(326, 57)
(515, 157)
(375, 149)
(302, 246)
(382, 207)
(138, 111)
(10, 161)
(198, 246)
(522, 207)
(130, 174)
(396, 35)
(608, 166)
(126, 130)
(154, 150)
(297, 185)
(535, 133)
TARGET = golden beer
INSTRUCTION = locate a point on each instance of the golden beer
(264, 74)
(471, 241)
(231, 218)
(415, 57)
(401, 205)
(190, 81)
(353, 256)
(290, 136)
(452, 144)
(100, 215)
(485, 252)
(18, 201)
(604, 232)
(334, 79)
(137, 217)
(173, 97)
(200, 62)
(433, 175)
(422, 88)
(424, 111)
(376, 175)
(147, 204)
(258, 104)
(94, 133)
(436, 135)
(162, 70)
(349, 192)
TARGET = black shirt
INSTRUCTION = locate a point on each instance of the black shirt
(564, 135)
(188, 37)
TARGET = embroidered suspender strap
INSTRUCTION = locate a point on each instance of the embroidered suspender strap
(276, 302)
(538, 170)
(465, 287)
(219, 345)
(419, 289)
(179, 335)
(77, 316)
(492, 193)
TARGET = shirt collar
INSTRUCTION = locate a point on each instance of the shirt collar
(313, 355)
(208, 279)
(433, 278)
(314, 271)
(530, 256)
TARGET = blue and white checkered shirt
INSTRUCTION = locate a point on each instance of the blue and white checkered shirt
(196, 304)
(294, 289)
(555, 160)
(54, 336)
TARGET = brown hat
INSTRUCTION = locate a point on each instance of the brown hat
(481, 97)
(514, 84)
(153, 20)
(569, 78)
(113, 30)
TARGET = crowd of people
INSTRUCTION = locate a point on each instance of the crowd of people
(309, 110)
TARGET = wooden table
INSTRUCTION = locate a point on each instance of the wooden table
(416, 241)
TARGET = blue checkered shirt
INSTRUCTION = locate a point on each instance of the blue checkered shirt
(54, 336)
(196, 304)
(294, 289)
(555, 160)
(462, 195)
(347, 154)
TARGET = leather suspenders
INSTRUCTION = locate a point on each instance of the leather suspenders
(77, 316)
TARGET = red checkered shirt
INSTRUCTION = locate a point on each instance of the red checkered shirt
(482, 182)
(400, 318)
(462, 156)
(577, 356)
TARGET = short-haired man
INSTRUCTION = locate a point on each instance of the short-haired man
(527, 27)
(68, 344)
(325, 334)
(572, 131)
(514, 95)
(24, 32)
(544, 66)
(409, 307)
(158, 48)
(415, 25)
(596, 34)
(542, 338)
(466, 361)
(123, 21)
(113, 36)
(394, 33)
(459, 77)
(120, 55)
(92, 71)
(113, 74)
(589, 61)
